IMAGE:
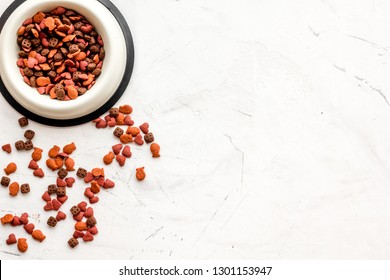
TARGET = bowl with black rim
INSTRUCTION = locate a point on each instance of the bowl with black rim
(110, 85)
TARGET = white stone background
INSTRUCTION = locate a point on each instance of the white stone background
(273, 118)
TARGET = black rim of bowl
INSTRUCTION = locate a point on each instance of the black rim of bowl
(98, 112)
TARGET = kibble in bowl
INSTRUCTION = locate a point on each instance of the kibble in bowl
(61, 54)
(87, 78)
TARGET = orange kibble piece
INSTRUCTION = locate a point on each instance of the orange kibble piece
(95, 188)
(59, 161)
(51, 163)
(97, 172)
(126, 109)
(53, 152)
(13, 189)
(140, 174)
(120, 119)
(21, 30)
(52, 93)
(43, 81)
(81, 226)
(37, 154)
(109, 158)
(38, 17)
(38, 235)
(70, 148)
(35, 33)
(11, 168)
(155, 149)
(61, 68)
(32, 54)
(52, 53)
(7, 219)
(69, 164)
(72, 92)
(126, 138)
(68, 38)
(45, 67)
(80, 56)
(49, 22)
(89, 81)
(133, 130)
(22, 245)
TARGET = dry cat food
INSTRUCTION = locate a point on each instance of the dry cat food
(67, 173)
(61, 54)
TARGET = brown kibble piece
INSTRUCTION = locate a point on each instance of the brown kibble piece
(22, 245)
(149, 138)
(25, 188)
(61, 191)
(118, 132)
(29, 134)
(52, 189)
(23, 122)
(91, 222)
(52, 222)
(73, 242)
(19, 145)
(75, 210)
(62, 173)
(114, 112)
(28, 145)
(5, 181)
(81, 172)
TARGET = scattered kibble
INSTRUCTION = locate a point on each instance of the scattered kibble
(7, 148)
(25, 188)
(11, 168)
(73, 242)
(14, 189)
(5, 181)
(22, 245)
(11, 239)
(140, 173)
(60, 161)
(38, 235)
(155, 149)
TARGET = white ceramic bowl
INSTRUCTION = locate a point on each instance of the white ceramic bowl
(112, 72)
